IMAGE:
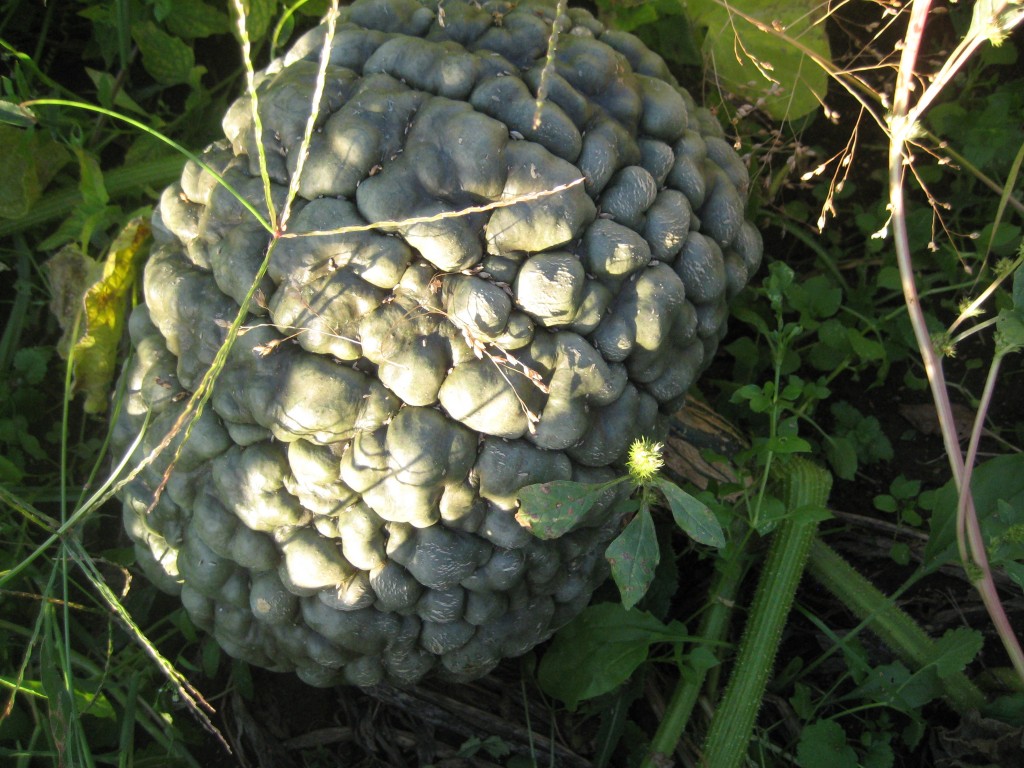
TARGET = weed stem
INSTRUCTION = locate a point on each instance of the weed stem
(902, 121)
(807, 487)
(892, 625)
(732, 566)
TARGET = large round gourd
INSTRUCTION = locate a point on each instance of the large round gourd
(345, 506)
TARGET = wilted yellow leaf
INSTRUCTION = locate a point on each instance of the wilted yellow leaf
(99, 305)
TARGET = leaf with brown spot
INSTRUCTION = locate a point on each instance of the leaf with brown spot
(550, 510)
(633, 556)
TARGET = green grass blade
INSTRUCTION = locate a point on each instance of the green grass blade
(192, 697)
(19, 308)
(126, 741)
(257, 122)
(55, 528)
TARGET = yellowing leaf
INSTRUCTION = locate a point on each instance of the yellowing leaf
(95, 301)
(763, 51)
(95, 353)
(69, 273)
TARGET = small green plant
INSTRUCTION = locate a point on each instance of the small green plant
(550, 510)
(902, 502)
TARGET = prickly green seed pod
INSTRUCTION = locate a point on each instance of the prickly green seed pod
(345, 506)
(645, 460)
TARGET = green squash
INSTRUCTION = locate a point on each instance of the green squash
(345, 507)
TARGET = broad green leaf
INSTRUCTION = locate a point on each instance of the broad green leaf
(92, 184)
(162, 9)
(763, 51)
(786, 444)
(903, 487)
(885, 503)
(672, 34)
(106, 304)
(258, 15)
(1010, 323)
(956, 649)
(92, 214)
(899, 552)
(868, 349)
(28, 442)
(1001, 239)
(824, 744)
(842, 456)
(802, 703)
(895, 686)
(879, 752)
(599, 650)
(167, 58)
(815, 298)
(196, 18)
(93, 704)
(832, 333)
(866, 435)
(997, 481)
(211, 655)
(10, 473)
(758, 398)
(769, 513)
(660, 595)
(1010, 329)
(751, 318)
(627, 15)
(699, 660)
(111, 95)
(1018, 289)
(1016, 573)
(241, 679)
(794, 389)
(811, 513)
(27, 165)
(550, 510)
(30, 363)
(692, 515)
(633, 556)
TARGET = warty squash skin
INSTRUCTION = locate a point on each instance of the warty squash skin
(344, 507)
